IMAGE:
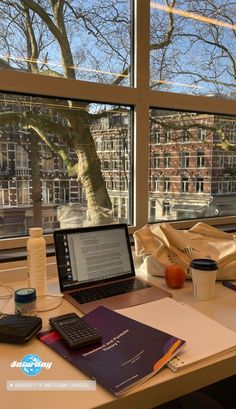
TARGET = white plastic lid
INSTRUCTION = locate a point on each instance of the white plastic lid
(36, 231)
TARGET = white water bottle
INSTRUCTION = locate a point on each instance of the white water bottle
(36, 259)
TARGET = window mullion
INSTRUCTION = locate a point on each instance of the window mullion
(141, 117)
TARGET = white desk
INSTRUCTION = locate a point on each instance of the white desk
(163, 387)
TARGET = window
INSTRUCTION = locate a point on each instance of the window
(186, 52)
(47, 158)
(166, 160)
(4, 158)
(186, 136)
(156, 137)
(228, 184)
(99, 43)
(22, 190)
(184, 159)
(64, 191)
(167, 138)
(153, 210)
(184, 184)
(166, 184)
(21, 156)
(156, 183)
(165, 208)
(200, 159)
(4, 193)
(202, 133)
(116, 110)
(48, 192)
(157, 160)
(199, 185)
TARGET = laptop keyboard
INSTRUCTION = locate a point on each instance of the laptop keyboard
(108, 290)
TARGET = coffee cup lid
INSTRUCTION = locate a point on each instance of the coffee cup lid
(204, 264)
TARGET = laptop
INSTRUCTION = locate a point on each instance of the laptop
(95, 267)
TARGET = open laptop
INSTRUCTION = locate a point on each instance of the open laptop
(95, 267)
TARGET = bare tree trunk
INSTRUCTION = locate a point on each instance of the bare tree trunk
(89, 170)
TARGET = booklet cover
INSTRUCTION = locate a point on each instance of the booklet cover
(130, 352)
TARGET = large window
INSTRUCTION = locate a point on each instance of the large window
(116, 110)
(66, 132)
(201, 170)
(192, 46)
(92, 37)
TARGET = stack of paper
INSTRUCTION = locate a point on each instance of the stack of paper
(204, 337)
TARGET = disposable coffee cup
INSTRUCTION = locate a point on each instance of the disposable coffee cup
(203, 272)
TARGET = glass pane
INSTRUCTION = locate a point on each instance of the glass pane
(83, 39)
(199, 178)
(63, 163)
(192, 49)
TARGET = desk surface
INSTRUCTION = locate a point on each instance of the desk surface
(162, 387)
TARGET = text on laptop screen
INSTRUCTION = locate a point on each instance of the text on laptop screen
(93, 256)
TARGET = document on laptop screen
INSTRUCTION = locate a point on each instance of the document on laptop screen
(98, 255)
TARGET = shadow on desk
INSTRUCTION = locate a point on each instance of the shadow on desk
(220, 395)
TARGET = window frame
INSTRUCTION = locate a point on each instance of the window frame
(140, 97)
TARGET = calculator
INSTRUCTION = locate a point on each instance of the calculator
(74, 330)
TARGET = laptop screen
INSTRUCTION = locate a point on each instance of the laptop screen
(90, 255)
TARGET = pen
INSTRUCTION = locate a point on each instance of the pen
(229, 285)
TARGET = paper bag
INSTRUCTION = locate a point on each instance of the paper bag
(161, 245)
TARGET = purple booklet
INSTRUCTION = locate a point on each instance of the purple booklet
(130, 352)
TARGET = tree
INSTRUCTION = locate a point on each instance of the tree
(192, 47)
(39, 30)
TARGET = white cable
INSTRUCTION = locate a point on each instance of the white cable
(9, 289)
(10, 292)
(44, 297)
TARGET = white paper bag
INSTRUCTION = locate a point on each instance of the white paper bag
(161, 245)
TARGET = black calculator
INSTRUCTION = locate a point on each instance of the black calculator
(74, 330)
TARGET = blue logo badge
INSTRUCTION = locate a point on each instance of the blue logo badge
(31, 364)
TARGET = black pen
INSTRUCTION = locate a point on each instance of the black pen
(229, 285)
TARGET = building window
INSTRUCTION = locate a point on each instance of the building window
(23, 192)
(199, 184)
(184, 184)
(228, 184)
(156, 183)
(156, 137)
(166, 184)
(115, 207)
(4, 159)
(200, 159)
(48, 191)
(165, 208)
(21, 152)
(47, 158)
(166, 160)
(64, 191)
(184, 159)
(106, 165)
(202, 134)
(156, 160)
(123, 210)
(4, 193)
(153, 210)
(186, 136)
(167, 137)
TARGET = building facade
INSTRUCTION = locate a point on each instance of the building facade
(192, 171)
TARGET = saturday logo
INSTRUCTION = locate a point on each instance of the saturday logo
(31, 364)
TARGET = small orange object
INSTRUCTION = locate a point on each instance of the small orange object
(175, 276)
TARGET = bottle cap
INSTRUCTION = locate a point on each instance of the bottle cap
(36, 231)
(25, 295)
(205, 264)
